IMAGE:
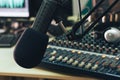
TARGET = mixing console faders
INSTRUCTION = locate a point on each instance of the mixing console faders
(89, 56)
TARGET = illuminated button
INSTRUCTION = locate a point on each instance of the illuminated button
(70, 61)
(95, 67)
(88, 65)
(103, 56)
(81, 64)
(52, 58)
(73, 51)
(79, 52)
(117, 58)
(65, 59)
(75, 63)
(59, 58)
(53, 53)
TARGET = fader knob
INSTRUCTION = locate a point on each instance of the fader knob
(59, 58)
(95, 67)
(65, 59)
(53, 53)
(88, 65)
(81, 64)
(75, 63)
(52, 58)
(70, 61)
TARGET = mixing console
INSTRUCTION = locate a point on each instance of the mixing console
(95, 57)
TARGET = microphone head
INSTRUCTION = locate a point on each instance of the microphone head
(30, 48)
(112, 35)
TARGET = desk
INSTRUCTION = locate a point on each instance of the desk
(8, 67)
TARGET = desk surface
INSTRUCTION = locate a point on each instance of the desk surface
(8, 67)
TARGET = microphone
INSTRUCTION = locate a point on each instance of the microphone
(73, 36)
(112, 35)
(32, 44)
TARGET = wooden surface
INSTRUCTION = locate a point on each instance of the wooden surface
(8, 67)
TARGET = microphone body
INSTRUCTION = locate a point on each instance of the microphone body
(32, 44)
(30, 48)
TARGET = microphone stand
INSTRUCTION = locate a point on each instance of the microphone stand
(72, 36)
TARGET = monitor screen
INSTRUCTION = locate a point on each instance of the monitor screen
(14, 8)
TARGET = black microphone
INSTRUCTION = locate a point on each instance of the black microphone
(32, 44)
